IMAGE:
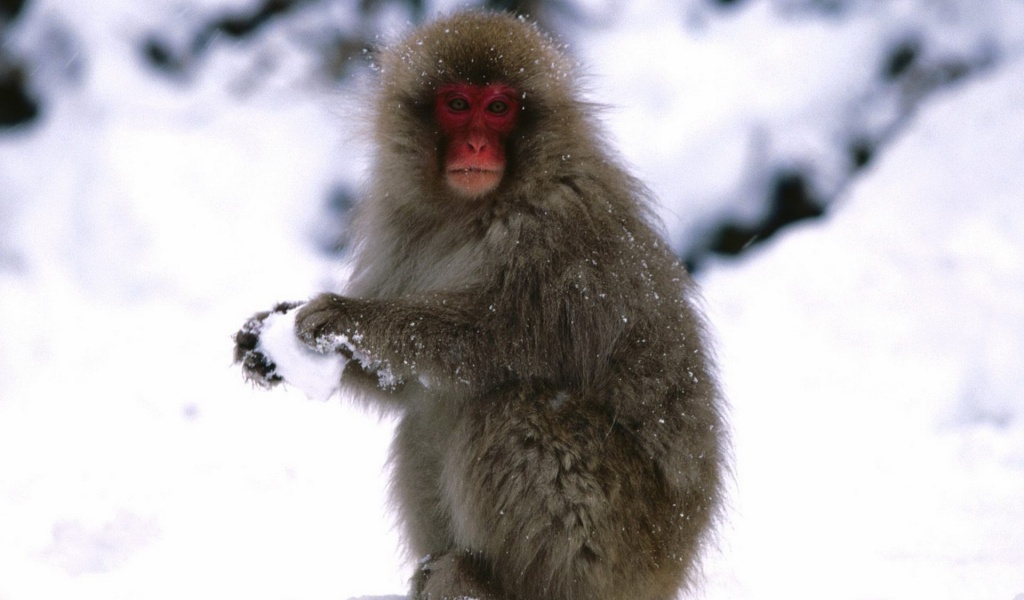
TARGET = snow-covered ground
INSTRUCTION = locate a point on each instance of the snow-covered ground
(874, 360)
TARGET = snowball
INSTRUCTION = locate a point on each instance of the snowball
(317, 375)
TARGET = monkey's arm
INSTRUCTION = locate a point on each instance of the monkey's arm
(437, 338)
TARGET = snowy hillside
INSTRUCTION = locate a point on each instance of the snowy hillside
(874, 363)
(872, 357)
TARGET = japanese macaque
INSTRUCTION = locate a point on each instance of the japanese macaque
(560, 431)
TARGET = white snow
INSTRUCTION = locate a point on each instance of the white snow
(872, 358)
(709, 107)
(316, 374)
(874, 366)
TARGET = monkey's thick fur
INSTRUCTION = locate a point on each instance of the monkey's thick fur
(561, 433)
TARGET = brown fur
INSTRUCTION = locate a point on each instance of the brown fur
(561, 435)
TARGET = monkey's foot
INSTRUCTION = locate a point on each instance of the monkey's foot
(449, 576)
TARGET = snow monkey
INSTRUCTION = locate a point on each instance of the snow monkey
(560, 432)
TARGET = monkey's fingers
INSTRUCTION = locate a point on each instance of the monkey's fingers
(260, 370)
(248, 337)
(256, 366)
(283, 307)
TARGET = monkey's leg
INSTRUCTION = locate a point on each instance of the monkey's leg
(417, 461)
(554, 495)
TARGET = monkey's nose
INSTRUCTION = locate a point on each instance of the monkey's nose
(477, 145)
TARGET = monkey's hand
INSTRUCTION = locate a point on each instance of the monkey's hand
(351, 328)
(324, 325)
(271, 353)
(424, 338)
(257, 367)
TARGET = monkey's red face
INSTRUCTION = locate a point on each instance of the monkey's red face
(476, 122)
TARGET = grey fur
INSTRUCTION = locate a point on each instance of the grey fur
(561, 434)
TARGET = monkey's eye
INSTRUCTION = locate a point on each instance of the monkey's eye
(498, 107)
(458, 104)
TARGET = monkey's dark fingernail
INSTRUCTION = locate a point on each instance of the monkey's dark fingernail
(283, 307)
(247, 339)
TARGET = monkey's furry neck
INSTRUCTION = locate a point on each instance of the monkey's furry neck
(415, 235)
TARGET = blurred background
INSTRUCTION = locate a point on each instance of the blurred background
(844, 177)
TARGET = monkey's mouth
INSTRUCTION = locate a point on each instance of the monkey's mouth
(474, 181)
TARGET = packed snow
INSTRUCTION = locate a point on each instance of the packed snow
(316, 374)
(872, 358)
